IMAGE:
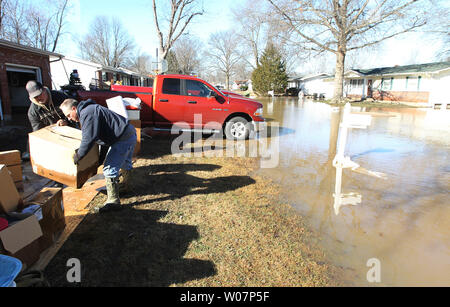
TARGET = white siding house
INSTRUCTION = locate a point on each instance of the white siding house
(61, 71)
(89, 72)
(294, 82)
(421, 83)
(321, 85)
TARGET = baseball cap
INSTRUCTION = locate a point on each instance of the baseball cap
(34, 88)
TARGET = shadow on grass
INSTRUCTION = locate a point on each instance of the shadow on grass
(174, 181)
(129, 248)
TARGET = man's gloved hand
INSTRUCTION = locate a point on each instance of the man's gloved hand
(75, 157)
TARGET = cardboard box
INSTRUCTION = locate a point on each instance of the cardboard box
(21, 240)
(51, 155)
(53, 219)
(13, 161)
(11, 157)
(10, 199)
(137, 126)
(133, 114)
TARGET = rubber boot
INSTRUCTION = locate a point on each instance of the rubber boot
(113, 201)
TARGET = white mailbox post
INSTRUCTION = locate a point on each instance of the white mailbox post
(349, 121)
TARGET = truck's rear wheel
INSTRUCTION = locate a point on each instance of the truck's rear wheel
(237, 128)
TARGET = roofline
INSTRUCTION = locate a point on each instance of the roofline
(81, 61)
(101, 67)
(124, 71)
(441, 70)
(400, 73)
(313, 76)
(28, 49)
(354, 71)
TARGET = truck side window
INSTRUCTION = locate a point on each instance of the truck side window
(196, 88)
(171, 86)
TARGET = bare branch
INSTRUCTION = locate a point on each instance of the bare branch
(291, 23)
(107, 43)
(181, 14)
(340, 26)
(60, 23)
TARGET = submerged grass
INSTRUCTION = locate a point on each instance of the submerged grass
(374, 104)
(195, 221)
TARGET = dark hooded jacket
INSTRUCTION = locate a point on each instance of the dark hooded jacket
(98, 125)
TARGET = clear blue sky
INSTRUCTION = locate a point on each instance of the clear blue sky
(137, 19)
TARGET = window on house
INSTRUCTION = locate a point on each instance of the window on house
(412, 84)
(386, 84)
(356, 83)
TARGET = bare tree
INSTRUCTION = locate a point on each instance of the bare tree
(14, 21)
(2, 15)
(439, 30)
(33, 26)
(60, 18)
(187, 50)
(140, 63)
(258, 26)
(181, 14)
(253, 22)
(107, 43)
(39, 29)
(340, 26)
(223, 54)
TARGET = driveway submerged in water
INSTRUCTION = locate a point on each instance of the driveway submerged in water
(401, 221)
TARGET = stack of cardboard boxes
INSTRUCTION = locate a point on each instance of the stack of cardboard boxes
(137, 125)
(28, 229)
(31, 227)
(13, 161)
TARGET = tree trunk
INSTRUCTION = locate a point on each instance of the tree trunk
(1, 16)
(227, 81)
(339, 77)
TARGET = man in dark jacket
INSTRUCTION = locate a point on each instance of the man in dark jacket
(44, 109)
(102, 126)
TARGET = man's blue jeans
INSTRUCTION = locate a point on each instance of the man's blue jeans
(120, 154)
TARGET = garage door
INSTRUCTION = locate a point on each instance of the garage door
(18, 76)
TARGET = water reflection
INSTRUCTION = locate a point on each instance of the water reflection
(402, 221)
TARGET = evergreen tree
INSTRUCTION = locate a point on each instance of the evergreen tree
(270, 74)
(172, 63)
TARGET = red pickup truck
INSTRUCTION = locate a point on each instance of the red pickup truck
(189, 103)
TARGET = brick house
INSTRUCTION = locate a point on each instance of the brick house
(420, 83)
(18, 65)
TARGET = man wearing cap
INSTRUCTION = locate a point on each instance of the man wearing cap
(44, 109)
(104, 127)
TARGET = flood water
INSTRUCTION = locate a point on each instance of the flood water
(403, 220)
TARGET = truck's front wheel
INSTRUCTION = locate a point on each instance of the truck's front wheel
(237, 128)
